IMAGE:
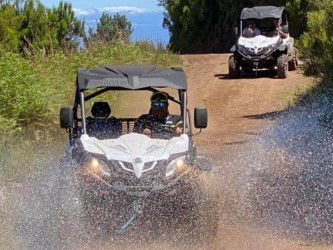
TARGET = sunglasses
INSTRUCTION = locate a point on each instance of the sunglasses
(161, 97)
(159, 104)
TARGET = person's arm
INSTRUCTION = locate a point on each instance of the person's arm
(257, 32)
(248, 32)
(178, 125)
(282, 34)
(144, 125)
(139, 124)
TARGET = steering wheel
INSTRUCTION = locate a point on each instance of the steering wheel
(161, 130)
(164, 128)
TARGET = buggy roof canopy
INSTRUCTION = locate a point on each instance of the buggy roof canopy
(261, 12)
(131, 77)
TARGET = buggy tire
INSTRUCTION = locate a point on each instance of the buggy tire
(233, 68)
(282, 66)
(247, 69)
(293, 63)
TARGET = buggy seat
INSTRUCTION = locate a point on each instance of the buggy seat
(101, 125)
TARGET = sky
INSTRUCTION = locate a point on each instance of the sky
(145, 15)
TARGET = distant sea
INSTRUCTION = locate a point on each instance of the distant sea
(146, 25)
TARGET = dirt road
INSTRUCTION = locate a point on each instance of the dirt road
(238, 108)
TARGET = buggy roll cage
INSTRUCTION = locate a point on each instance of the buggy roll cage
(80, 99)
(260, 13)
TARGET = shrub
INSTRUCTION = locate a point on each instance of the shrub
(315, 45)
(23, 102)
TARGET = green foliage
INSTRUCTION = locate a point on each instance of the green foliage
(33, 28)
(68, 26)
(315, 45)
(116, 28)
(23, 102)
(297, 11)
(9, 28)
(200, 25)
(48, 29)
(62, 79)
(35, 31)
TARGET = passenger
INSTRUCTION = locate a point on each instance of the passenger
(158, 120)
(251, 30)
(276, 29)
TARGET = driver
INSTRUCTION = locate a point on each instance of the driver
(158, 120)
(252, 30)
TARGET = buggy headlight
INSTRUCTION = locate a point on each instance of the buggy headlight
(98, 166)
(176, 166)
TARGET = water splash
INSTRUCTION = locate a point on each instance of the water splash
(281, 181)
(290, 168)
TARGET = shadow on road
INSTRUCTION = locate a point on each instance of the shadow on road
(249, 75)
(269, 115)
(236, 142)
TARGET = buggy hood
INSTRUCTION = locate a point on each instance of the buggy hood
(136, 149)
(257, 43)
(261, 12)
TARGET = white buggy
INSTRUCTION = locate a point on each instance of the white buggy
(117, 170)
(266, 51)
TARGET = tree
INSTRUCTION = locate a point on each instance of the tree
(201, 25)
(315, 45)
(9, 28)
(35, 32)
(48, 29)
(112, 28)
(68, 26)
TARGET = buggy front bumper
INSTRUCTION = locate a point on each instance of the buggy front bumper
(119, 187)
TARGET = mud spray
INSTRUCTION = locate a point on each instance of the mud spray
(275, 193)
(279, 188)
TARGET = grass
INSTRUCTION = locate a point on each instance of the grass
(317, 91)
(304, 93)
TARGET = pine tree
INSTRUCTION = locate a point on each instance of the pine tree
(112, 28)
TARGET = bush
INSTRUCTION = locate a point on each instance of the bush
(315, 46)
(23, 102)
